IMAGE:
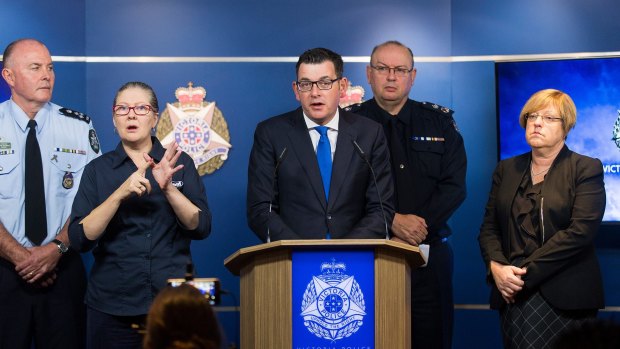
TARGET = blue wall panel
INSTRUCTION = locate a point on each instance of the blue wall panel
(59, 24)
(484, 27)
(477, 329)
(262, 28)
(473, 89)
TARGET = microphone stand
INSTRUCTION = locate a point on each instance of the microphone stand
(374, 179)
(273, 185)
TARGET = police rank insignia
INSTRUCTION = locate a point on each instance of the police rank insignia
(333, 305)
(198, 127)
(444, 111)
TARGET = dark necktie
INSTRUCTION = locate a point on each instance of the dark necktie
(324, 156)
(401, 170)
(36, 220)
(396, 139)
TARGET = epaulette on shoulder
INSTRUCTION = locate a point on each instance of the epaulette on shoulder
(74, 114)
(353, 107)
(437, 108)
(446, 112)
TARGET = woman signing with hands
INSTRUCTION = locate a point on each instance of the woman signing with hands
(138, 208)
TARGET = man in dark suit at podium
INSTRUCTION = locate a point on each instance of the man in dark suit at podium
(309, 175)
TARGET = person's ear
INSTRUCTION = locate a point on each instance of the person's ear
(343, 85)
(296, 91)
(8, 76)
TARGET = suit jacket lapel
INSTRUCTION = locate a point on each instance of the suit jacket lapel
(514, 178)
(302, 147)
(344, 154)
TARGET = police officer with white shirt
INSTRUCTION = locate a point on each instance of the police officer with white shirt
(42, 283)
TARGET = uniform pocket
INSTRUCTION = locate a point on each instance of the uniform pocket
(66, 166)
(10, 175)
(429, 154)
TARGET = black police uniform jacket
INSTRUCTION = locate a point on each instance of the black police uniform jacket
(428, 164)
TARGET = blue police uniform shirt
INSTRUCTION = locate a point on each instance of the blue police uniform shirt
(144, 244)
(67, 141)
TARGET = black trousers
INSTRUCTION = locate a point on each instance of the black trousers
(432, 303)
(51, 317)
(106, 331)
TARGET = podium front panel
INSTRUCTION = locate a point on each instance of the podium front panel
(333, 298)
(271, 303)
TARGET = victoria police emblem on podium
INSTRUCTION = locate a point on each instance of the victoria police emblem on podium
(198, 127)
(335, 308)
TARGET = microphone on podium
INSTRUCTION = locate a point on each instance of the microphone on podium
(273, 184)
(374, 179)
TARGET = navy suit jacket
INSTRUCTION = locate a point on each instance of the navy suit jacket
(300, 209)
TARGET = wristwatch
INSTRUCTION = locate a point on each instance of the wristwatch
(62, 248)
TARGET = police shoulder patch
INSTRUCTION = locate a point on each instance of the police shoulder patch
(74, 114)
(437, 108)
(353, 108)
(93, 140)
(447, 112)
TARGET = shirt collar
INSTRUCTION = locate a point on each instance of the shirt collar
(332, 124)
(21, 118)
(120, 155)
(402, 114)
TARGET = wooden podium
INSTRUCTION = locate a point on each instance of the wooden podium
(266, 282)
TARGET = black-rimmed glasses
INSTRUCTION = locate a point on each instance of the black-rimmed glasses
(385, 70)
(323, 84)
(122, 110)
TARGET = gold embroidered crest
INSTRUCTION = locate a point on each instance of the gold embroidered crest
(198, 127)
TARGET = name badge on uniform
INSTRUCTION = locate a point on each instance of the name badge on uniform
(67, 180)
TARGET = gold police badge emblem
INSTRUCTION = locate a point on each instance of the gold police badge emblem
(197, 126)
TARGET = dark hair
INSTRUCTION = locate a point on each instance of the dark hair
(8, 51)
(181, 318)
(139, 84)
(395, 43)
(319, 55)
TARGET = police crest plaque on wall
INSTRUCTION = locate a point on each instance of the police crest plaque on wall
(197, 126)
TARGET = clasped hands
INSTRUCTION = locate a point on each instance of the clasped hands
(409, 229)
(39, 266)
(508, 280)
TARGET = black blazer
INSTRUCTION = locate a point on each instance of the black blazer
(300, 210)
(565, 268)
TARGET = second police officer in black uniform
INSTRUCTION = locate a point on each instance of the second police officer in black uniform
(429, 166)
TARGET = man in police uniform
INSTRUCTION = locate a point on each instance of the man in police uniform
(41, 283)
(429, 165)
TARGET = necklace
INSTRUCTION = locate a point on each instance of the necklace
(538, 173)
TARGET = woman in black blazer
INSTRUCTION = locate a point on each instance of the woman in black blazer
(544, 209)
